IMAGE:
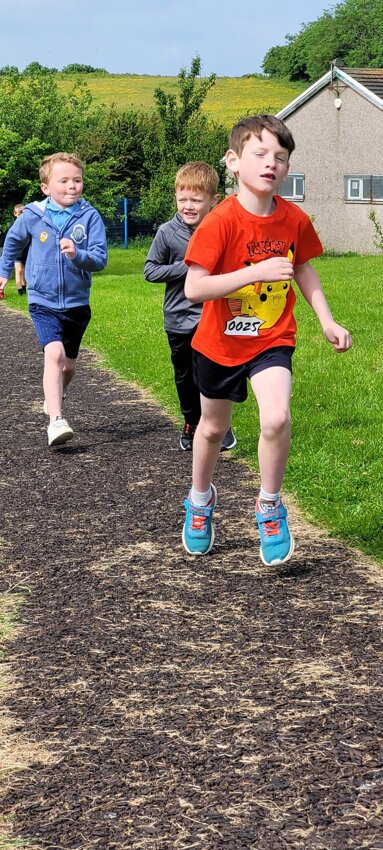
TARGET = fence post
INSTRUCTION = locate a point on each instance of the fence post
(126, 240)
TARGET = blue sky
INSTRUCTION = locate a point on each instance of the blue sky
(150, 36)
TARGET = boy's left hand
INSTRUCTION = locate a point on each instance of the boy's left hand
(68, 247)
(339, 337)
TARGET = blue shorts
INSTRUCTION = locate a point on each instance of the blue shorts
(230, 382)
(66, 326)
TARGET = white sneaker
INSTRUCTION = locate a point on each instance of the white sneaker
(45, 405)
(59, 432)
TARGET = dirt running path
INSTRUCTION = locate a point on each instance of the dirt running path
(165, 702)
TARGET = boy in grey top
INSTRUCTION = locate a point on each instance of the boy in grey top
(196, 185)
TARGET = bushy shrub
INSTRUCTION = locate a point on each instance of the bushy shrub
(77, 68)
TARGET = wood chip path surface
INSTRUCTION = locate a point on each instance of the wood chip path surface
(157, 701)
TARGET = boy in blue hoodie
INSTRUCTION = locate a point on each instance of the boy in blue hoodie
(67, 242)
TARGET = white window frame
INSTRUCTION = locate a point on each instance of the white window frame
(361, 198)
(350, 188)
(296, 196)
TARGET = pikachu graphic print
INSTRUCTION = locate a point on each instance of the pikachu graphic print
(258, 306)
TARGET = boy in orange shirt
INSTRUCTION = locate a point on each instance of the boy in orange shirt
(242, 259)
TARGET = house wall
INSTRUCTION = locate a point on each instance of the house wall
(330, 143)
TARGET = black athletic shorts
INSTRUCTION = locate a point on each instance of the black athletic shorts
(230, 382)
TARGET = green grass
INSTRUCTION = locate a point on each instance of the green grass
(227, 101)
(334, 469)
(13, 843)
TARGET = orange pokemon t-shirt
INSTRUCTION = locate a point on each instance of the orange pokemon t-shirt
(234, 329)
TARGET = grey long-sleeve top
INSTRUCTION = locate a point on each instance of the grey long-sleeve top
(165, 264)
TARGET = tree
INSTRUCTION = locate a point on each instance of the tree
(6, 70)
(38, 120)
(36, 68)
(360, 27)
(176, 116)
(18, 171)
(276, 61)
(352, 31)
(311, 52)
(184, 133)
(77, 68)
(127, 137)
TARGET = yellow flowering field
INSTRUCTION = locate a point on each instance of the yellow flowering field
(229, 99)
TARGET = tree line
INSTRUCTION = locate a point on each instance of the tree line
(129, 153)
(352, 31)
(37, 68)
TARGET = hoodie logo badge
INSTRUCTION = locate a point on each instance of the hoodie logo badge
(78, 234)
(43, 236)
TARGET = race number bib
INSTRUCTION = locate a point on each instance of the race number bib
(243, 326)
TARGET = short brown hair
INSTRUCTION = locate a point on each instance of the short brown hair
(253, 125)
(47, 164)
(18, 208)
(198, 176)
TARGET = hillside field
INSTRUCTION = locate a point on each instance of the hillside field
(228, 100)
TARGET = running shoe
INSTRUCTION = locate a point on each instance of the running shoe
(59, 432)
(229, 441)
(187, 437)
(198, 530)
(277, 542)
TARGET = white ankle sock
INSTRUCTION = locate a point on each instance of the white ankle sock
(268, 497)
(200, 499)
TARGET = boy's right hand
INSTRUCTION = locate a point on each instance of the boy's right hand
(3, 283)
(68, 247)
(273, 269)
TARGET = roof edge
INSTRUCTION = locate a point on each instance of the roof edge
(358, 87)
(321, 83)
(305, 95)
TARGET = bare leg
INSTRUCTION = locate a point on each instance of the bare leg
(272, 389)
(213, 425)
(49, 379)
(68, 371)
(54, 361)
(20, 276)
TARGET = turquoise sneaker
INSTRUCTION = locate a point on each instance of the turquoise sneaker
(198, 530)
(277, 542)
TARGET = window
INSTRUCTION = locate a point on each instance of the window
(364, 188)
(293, 188)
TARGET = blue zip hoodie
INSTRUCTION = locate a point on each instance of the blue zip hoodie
(54, 280)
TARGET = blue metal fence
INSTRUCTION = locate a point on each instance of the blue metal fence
(123, 226)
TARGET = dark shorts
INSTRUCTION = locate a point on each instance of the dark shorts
(66, 326)
(230, 382)
(22, 258)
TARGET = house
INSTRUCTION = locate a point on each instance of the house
(336, 170)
